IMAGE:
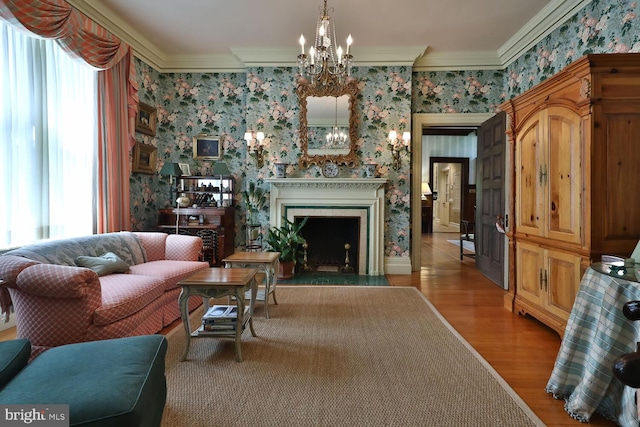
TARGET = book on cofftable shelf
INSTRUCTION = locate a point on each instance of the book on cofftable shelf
(213, 327)
(222, 314)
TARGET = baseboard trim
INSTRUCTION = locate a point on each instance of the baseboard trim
(397, 265)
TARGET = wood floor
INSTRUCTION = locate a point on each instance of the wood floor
(521, 349)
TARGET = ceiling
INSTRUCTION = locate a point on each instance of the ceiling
(230, 35)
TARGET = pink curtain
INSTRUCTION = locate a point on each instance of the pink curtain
(117, 97)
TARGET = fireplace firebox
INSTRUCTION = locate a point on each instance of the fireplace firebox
(332, 243)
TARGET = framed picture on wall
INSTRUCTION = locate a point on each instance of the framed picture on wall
(207, 147)
(144, 158)
(184, 167)
(146, 119)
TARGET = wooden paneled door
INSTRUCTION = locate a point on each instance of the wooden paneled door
(490, 198)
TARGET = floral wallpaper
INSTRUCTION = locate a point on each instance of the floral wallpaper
(458, 91)
(600, 27)
(264, 99)
(227, 104)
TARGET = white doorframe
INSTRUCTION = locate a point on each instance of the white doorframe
(420, 121)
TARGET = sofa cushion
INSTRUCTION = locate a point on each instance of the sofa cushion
(154, 244)
(108, 263)
(118, 382)
(14, 355)
(125, 244)
(125, 294)
(170, 272)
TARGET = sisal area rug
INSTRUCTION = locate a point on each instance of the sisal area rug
(340, 356)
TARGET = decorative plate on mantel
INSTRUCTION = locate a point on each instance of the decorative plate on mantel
(330, 170)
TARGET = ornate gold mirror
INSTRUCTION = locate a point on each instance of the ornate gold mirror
(328, 123)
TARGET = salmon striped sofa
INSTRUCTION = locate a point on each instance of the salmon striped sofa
(58, 302)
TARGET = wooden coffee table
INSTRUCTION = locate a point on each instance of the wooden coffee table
(217, 283)
(264, 261)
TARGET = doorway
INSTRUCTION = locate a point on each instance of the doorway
(449, 178)
(421, 121)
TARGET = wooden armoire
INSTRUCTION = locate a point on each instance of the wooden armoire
(574, 143)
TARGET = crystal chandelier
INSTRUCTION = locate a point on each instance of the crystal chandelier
(326, 61)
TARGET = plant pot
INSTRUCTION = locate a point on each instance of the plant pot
(286, 270)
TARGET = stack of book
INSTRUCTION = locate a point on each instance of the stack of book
(221, 318)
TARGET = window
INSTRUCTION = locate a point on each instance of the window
(47, 141)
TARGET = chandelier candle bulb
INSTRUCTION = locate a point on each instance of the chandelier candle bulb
(302, 42)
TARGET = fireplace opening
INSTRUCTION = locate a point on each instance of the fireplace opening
(326, 239)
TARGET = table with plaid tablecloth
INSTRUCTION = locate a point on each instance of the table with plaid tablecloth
(597, 333)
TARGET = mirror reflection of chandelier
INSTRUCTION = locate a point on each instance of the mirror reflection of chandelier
(326, 61)
(336, 137)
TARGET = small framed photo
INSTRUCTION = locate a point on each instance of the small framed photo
(146, 119)
(144, 158)
(207, 147)
(184, 167)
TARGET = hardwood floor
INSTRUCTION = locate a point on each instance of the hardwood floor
(521, 349)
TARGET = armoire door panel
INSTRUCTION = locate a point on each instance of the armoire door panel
(562, 175)
(530, 272)
(562, 282)
(528, 179)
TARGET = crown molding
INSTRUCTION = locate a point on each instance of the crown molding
(543, 23)
(288, 57)
(554, 14)
(454, 61)
(202, 64)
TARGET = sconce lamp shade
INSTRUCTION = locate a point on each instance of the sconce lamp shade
(172, 169)
(426, 190)
(221, 168)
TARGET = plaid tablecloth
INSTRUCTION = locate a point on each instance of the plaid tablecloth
(597, 333)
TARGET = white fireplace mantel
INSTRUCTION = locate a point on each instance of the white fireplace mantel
(364, 197)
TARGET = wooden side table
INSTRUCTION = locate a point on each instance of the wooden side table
(264, 261)
(216, 283)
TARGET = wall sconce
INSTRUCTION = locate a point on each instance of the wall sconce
(254, 144)
(398, 145)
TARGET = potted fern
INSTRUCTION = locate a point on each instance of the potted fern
(254, 199)
(286, 239)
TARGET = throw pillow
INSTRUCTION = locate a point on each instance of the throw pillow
(108, 263)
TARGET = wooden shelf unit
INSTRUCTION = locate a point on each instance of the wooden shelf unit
(220, 219)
